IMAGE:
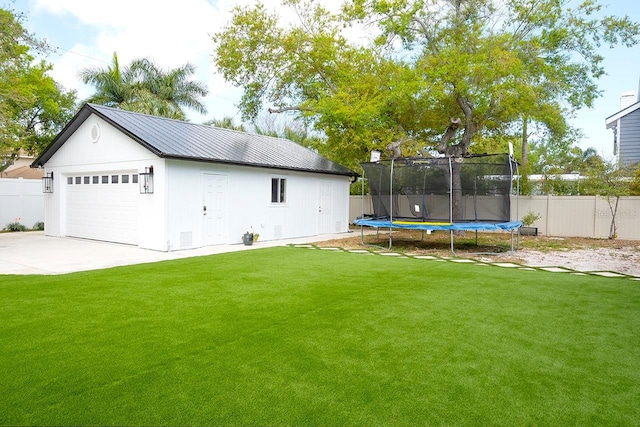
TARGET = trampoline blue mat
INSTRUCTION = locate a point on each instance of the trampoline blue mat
(462, 226)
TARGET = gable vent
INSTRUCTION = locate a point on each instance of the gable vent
(95, 133)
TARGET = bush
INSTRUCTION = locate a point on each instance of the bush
(16, 226)
(38, 226)
(530, 218)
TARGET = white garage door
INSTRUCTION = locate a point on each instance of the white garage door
(103, 206)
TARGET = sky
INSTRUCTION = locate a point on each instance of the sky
(87, 33)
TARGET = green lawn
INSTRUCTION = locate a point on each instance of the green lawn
(291, 336)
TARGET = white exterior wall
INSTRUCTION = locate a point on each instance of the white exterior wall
(172, 217)
(248, 201)
(113, 151)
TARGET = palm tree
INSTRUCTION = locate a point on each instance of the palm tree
(169, 90)
(145, 88)
(114, 86)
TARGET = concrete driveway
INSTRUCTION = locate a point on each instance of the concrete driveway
(35, 253)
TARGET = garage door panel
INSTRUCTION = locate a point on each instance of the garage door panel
(103, 211)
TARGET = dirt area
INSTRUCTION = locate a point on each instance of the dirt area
(580, 254)
(621, 260)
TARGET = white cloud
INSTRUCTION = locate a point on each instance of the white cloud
(166, 33)
(174, 33)
(170, 34)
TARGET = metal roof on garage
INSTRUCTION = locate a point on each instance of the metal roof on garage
(175, 139)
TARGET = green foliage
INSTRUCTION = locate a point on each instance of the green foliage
(38, 226)
(33, 107)
(634, 185)
(225, 123)
(145, 88)
(250, 338)
(15, 226)
(485, 64)
(360, 187)
(529, 218)
(611, 182)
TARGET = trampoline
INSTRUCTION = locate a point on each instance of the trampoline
(471, 193)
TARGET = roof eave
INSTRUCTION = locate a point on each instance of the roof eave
(81, 116)
(609, 121)
(350, 173)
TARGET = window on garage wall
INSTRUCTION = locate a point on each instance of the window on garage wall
(278, 190)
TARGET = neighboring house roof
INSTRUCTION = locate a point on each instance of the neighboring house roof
(25, 172)
(174, 139)
(612, 120)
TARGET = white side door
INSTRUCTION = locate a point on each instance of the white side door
(214, 209)
(324, 207)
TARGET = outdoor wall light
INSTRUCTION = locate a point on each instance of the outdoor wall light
(146, 181)
(47, 183)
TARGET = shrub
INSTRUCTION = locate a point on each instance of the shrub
(530, 218)
(38, 226)
(16, 226)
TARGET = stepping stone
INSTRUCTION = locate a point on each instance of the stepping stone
(607, 274)
(330, 249)
(555, 269)
(463, 261)
(358, 251)
(425, 257)
(527, 268)
(389, 254)
(507, 264)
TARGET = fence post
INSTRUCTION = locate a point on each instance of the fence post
(595, 217)
(547, 216)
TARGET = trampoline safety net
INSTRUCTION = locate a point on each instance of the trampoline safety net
(474, 188)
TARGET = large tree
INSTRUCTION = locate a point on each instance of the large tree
(437, 74)
(33, 107)
(144, 87)
(347, 91)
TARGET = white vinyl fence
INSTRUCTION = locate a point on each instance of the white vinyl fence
(21, 200)
(561, 216)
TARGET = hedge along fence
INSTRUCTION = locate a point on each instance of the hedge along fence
(562, 216)
(21, 200)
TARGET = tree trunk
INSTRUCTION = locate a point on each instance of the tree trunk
(613, 228)
(525, 143)
(456, 189)
(458, 150)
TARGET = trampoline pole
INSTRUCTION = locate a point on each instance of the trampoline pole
(451, 202)
(362, 204)
(391, 203)
(451, 238)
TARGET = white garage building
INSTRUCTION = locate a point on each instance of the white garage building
(165, 184)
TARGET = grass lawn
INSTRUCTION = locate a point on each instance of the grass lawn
(291, 336)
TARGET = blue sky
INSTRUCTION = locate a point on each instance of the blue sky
(174, 33)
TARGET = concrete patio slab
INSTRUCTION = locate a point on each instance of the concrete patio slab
(35, 253)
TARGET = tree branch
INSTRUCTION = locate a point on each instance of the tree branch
(284, 109)
(448, 134)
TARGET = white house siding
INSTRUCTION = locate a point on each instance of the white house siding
(248, 203)
(172, 218)
(629, 138)
(112, 153)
